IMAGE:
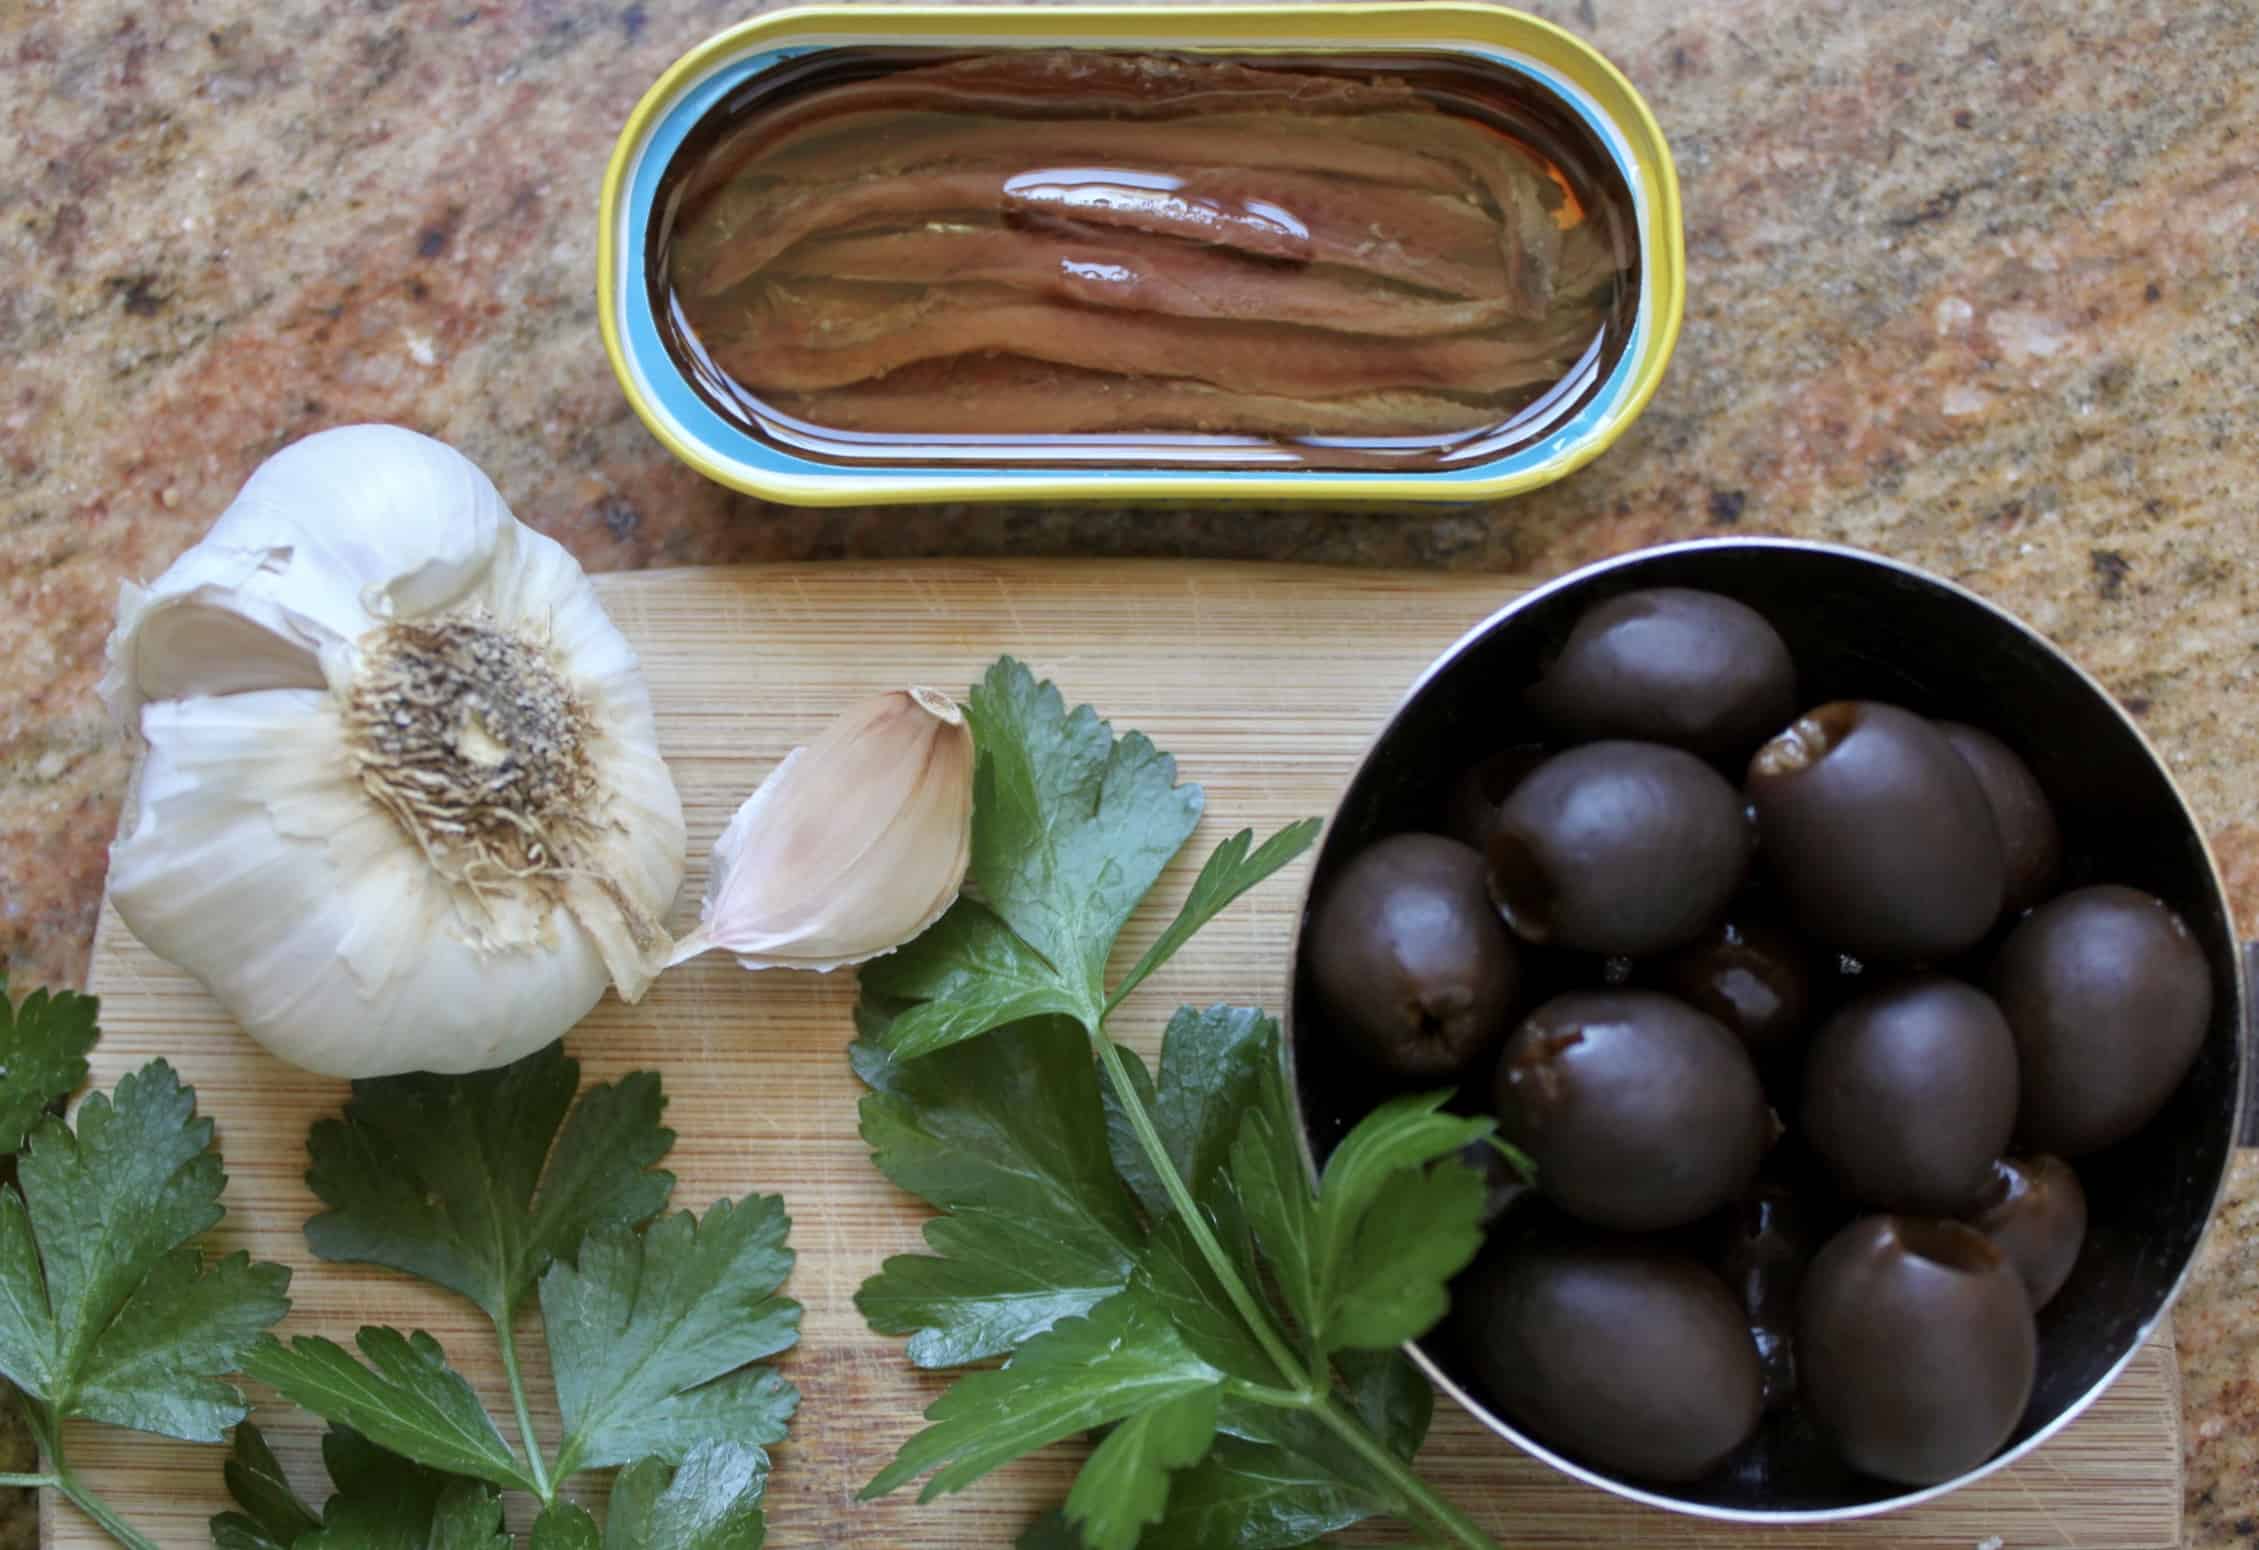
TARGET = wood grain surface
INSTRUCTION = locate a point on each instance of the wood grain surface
(1266, 682)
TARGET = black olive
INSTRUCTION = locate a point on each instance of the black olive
(2108, 996)
(1877, 832)
(1477, 793)
(1640, 1112)
(1635, 1363)
(2031, 843)
(1915, 1347)
(1628, 848)
(2034, 1212)
(1409, 956)
(1765, 1241)
(1692, 669)
(1910, 1093)
(1751, 974)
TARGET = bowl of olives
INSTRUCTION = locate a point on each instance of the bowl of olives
(1855, 983)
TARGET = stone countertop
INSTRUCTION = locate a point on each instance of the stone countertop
(1977, 286)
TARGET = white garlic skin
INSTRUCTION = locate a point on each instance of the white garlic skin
(252, 852)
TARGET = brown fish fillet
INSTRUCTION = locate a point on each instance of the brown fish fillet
(1440, 243)
(1007, 396)
(1123, 271)
(1524, 197)
(828, 335)
(1061, 83)
(859, 144)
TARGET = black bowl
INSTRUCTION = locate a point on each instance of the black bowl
(1866, 627)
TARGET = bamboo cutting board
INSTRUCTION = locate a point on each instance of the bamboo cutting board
(1266, 682)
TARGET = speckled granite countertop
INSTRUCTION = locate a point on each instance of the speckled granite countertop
(1975, 285)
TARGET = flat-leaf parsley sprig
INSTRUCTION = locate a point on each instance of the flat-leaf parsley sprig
(1143, 1248)
(656, 1325)
(108, 1309)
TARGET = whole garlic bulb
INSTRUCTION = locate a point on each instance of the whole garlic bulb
(400, 804)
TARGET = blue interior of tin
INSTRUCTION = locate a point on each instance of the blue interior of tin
(673, 394)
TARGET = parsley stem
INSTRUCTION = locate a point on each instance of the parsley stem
(509, 1340)
(1418, 1502)
(28, 1482)
(1277, 1399)
(1243, 1301)
(50, 1436)
(99, 1510)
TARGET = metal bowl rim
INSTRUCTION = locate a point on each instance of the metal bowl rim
(1582, 576)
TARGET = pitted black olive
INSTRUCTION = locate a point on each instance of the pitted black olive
(1633, 1362)
(1618, 848)
(1915, 1347)
(1640, 1112)
(1877, 832)
(1670, 665)
(2034, 1211)
(2108, 995)
(1910, 1093)
(1751, 974)
(1765, 1243)
(2031, 843)
(1410, 957)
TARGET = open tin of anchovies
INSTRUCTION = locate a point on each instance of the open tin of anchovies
(1337, 253)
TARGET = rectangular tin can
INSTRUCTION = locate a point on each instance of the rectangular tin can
(697, 84)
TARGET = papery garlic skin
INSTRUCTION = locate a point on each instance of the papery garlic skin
(852, 845)
(400, 805)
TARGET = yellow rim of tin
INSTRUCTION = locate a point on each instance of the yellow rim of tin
(1217, 28)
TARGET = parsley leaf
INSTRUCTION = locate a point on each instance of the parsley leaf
(1049, 1532)
(490, 1185)
(443, 1176)
(465, 1516)
(1070, 830)
(1392, 1229)
(43, 1047)
(1212, 1068)
(710, 1501)
(964, 976)
(1071, 826)
(568, 1527)
(652, 1335)
(1364, 1265)
(110, 1312)
(999, 1134)
(108, 1309)
(1125, 1484)
(1269, 1180)
(1120, 1360)
(1292, 1484)
(1230, 872)
(382, 1502)
(272, 1512)
(406, 1399)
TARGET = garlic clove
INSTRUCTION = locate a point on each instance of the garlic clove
(401, 804)
(204, 642)
(852, 845)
